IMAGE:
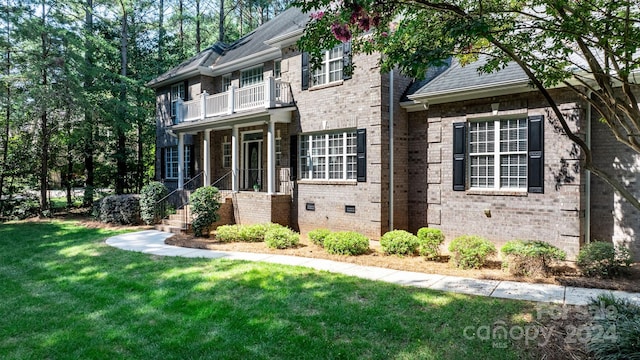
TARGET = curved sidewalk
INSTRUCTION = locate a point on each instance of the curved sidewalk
(152, 242)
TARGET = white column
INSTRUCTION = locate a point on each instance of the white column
(180, 160)
(203, 105)
(235, 155)
(271, 158)
(206, 163)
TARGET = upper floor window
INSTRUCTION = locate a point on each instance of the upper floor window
(329, 156)
(277, 69)
(251, 76)
(177, 92)
(226, 82)
(502, 154)
(331, 68)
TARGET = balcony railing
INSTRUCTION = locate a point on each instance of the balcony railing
(268, 94)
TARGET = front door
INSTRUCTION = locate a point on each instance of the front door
(252, 160)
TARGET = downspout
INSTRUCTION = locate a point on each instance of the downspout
(391, 154)
(587, 187)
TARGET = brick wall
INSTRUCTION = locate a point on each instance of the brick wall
(555, 216)
(612, 218)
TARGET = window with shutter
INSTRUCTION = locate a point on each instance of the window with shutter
(329, 156)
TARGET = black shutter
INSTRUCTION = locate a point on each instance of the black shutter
(163, 163)
(347, 69)
(186, 91)
(459, 155)
(361, 154)
(535, 163)
(293, 158)
(192, 161)
(305, 71)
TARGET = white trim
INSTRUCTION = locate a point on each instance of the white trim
(247, 61)
(285, 39)
(243, 165)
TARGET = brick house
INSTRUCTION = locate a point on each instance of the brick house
(308, 148)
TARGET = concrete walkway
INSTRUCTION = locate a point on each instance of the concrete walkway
(152, 242)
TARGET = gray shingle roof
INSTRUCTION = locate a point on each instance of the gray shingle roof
(459, 78)
(286, 22)
(204, 58)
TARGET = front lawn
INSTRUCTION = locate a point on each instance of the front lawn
(67, 295)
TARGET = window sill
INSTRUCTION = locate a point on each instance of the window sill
(324, 86)
(327, 182)
(497, 192)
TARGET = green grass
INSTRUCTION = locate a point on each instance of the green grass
(67, 295)
(61, 202)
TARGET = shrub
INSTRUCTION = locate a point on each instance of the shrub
(399, 242)
(280, 237)
(150, 194)
(254, 233)
(205, 202)
(620, 323)
(529, 257)
(228, 233)
(318, 236)
(20, 207)
(603, 259)
(470, 251)
(429, 241)
(119, 209)
(346, 243)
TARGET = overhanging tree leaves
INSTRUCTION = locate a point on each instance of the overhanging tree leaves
(590, 46)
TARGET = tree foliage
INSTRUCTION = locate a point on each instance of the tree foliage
(589, 46)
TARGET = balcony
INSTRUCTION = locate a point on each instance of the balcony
(266, 95)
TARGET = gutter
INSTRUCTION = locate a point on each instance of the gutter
(391, 154)
(587, 187)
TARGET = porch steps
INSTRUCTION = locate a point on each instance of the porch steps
(175, 222)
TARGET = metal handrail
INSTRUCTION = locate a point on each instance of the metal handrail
(182, 198)
(201, 173)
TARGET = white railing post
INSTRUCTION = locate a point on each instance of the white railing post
(203, 105)
(269, 92)
(232, 95)
(179, 111)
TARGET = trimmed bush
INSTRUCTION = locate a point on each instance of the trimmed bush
(205, 202)
(149, 196)
(399, 242)
(254, 233)
(470, 251)
(20, 207)
(119, 209)
(529, 257)
(228, 233)
(429, 241)
(318, 236)
(603, 259)
(280, 237)
(619, 320)
(346, 243)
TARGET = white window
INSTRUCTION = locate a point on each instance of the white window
(498, 154)
(277, 69)
(251, 76)
(226, 82)
(330, 156)
(171, 162)
(226, 155)
(331, 68)
(177, 92)
(278, 146)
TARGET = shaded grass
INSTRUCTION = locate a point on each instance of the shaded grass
(67, 295)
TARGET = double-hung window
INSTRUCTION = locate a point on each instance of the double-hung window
(331, 68)
(177, 92)
(328, 156)
(502, 154)
(226, 155)
(251, 76)
(171, 162)
(498, 154)
(226, 82)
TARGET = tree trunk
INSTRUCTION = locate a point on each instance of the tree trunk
(44, 126)
(89, 147)
(181, 28)
(160, 62)
(198, 39)
(5, 140)
(121, 161)
(221, 22)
